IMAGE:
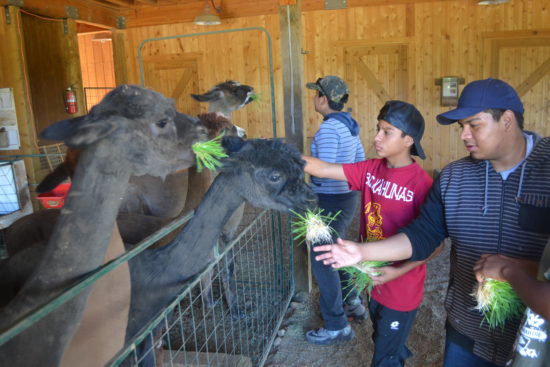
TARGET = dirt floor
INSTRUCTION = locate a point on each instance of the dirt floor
(425, 341)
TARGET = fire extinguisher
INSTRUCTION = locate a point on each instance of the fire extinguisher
(70, 100)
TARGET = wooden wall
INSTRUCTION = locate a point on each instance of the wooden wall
(398, 52)
(96, 63)
(182, 66)
(384, 52)
(52, 62)
(13, 75)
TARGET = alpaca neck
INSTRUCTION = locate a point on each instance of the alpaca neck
(76, 247)
(199, 237)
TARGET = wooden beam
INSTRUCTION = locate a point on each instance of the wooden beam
(150, 2)
(290, 21)
(87, 11)
(534, 78)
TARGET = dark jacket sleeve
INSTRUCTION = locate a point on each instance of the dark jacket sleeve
(428, 230)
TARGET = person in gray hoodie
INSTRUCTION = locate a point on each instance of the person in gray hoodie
(495, 201)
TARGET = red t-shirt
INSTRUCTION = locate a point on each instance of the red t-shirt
(391, 199)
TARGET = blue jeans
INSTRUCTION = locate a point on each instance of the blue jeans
(457, 355)
(332, 284)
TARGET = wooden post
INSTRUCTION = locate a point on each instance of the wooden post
(121, 57)
(293, 84)
(13, 75)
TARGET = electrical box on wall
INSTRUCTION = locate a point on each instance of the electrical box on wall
(9, 133)
(449, 89)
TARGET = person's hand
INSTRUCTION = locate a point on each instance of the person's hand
(493, 266)
(342, 253)
(384, 274)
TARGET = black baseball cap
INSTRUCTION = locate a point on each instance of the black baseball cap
(406, 118)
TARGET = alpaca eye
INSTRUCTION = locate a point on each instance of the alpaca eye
(162, 123)
(275, 177)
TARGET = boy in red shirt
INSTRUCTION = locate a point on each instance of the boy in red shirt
(393, 188)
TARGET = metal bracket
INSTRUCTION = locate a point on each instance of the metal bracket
(120, 22)
(18, 3)
(335, 4)
(8, 14)
(71, 11)
(65, 26)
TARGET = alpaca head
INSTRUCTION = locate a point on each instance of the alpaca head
(270, 173)
(226, 97)
(137, 127)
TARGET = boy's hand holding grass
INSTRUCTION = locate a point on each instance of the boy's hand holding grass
(495, 297)
(343, 253)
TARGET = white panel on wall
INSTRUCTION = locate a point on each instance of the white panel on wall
(9, 134)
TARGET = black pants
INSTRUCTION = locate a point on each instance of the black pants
(391, 330)
(334, 285)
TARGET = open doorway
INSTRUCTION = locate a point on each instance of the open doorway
(96, 62)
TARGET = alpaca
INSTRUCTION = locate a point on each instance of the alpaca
(266, 173)
(131, 132)
(168, 197)
(226, 97)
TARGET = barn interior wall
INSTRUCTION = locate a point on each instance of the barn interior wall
(450, 38)
(178, 67)
(97, 65)
(384, 52)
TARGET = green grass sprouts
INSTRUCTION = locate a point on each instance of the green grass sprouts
(313, 227)
(361, 274)
(255, 97)
(208, 153)
(497, 301)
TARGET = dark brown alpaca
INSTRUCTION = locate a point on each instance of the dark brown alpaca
(266, 173)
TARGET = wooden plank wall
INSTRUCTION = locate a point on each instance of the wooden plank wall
(96, 62)
(12, 75)
(443, 38)
(53, 64)
(241, 56)
(406, 46)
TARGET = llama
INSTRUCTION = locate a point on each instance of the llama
(131, 132)
(266, 173)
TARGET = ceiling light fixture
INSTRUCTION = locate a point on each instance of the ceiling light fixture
(207, 18)
(492, 2)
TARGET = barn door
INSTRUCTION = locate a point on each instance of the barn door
(175, 76)
(522, 59)
(375, 73)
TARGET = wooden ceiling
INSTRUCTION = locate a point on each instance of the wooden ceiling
(137, 13)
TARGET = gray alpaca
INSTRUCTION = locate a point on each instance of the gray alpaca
(266, 173)
(170, 196)
(136, 128)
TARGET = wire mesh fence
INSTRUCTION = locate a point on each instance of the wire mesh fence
(9, 201)
(94, 95)
(229, 315)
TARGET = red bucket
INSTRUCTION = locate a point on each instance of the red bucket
(56, 197)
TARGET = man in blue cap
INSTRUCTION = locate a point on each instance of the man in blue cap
(495, 201)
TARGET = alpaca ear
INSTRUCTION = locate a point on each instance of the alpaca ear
(78, 132)
(61, 130)
(209, 96)
(90, 132)
(233, 144)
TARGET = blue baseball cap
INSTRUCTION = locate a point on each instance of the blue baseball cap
(481, 95)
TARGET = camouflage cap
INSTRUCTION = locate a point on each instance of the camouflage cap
(331, 86)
